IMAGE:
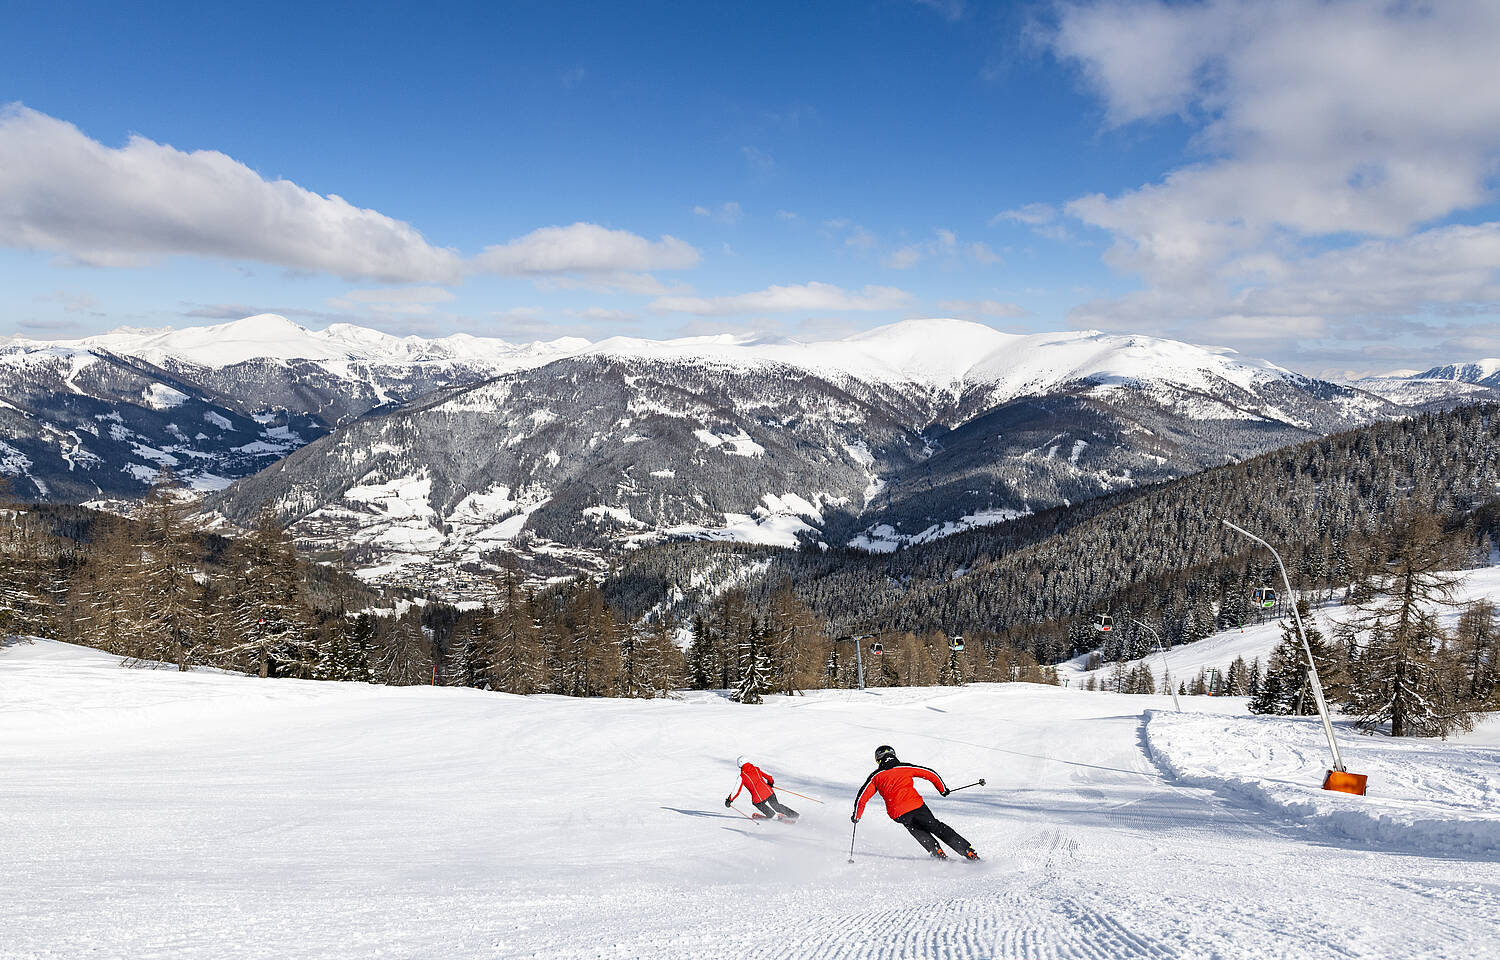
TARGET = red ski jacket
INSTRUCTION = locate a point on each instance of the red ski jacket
(894, 784)
(757, 781)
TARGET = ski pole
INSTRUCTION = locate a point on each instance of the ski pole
(743, 813)
(802, 795)
(852, 831)
(976, 783)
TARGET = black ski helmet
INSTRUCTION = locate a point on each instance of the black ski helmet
(884, 752)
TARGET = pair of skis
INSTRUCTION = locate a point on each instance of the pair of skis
(758, 819)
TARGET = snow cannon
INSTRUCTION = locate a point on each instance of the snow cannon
(1341, 782)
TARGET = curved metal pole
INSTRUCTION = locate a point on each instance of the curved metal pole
(1312, 668)
(1164, 669)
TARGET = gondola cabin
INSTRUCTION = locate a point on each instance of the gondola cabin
(956, 644)
(876, 648)
(1104, 623)
(1264, 597)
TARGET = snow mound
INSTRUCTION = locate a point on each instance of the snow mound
(1424, 796)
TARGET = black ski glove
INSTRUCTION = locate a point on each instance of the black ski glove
(853, 818)
(728, 802)
(944, 793)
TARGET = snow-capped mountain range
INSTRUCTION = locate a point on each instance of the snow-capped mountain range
(462, 448)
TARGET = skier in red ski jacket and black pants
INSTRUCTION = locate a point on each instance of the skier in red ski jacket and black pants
(759, 783)
(892, 779)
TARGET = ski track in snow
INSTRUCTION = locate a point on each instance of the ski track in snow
(150, 814)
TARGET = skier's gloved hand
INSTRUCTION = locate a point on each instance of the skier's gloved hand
(853, 818)
(944, 793)
(728, 802)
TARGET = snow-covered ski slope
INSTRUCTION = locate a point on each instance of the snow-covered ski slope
(1217, 652)
(153, 814)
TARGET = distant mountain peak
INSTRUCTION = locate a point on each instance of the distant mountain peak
(1485, 371)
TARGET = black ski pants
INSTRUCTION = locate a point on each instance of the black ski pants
(928, 830)
(770, 806)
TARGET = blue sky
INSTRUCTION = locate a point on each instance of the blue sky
(1291, 178)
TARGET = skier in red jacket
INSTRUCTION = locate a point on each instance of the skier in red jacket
(892, 779)
(760, 785)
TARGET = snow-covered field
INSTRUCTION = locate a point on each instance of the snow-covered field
(154, 814)
(1259, 639)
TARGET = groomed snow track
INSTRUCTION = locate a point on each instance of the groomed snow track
(150, 814)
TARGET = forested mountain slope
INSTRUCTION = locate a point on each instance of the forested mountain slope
(1162, 551)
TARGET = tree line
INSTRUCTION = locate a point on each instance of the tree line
(157, 589)
(1392, 663)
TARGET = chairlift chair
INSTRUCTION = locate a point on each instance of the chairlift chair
(876, 648)
(1264, 597)
(1104, 623)
(956, 644)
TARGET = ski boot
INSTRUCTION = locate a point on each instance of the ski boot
(937, 855)
(969, 854)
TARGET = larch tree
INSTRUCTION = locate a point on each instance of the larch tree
(166, 575)
(1397, 679)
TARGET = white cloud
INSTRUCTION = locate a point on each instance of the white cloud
(758, 160)
(1454, 269)
(1031, 214)
(727, 213)
(1331, 135)
(400, 300)
(401, 295)
(944, 243)
(128, 206)
(982, 253)
(812, 296)
(983, 308)
(103, 206)
(585, 248)
(905, 258)
(606, 315)
(861, 239)
(639, 284)
(786, 215)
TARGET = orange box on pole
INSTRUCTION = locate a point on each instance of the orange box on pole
(1342, 782)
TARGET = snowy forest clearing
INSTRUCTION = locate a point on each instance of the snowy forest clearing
(1256, 640)
(153, 814)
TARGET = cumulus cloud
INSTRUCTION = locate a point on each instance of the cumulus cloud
(105, 206)
(812, 296)
(585, 248)
(1331, 135)
(1453, 270)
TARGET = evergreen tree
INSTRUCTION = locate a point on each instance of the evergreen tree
(1285, 688)
(1398, 678)
(754, 667)
(1477, 653)
(404, 656)
(169, 621)
(513, 659)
